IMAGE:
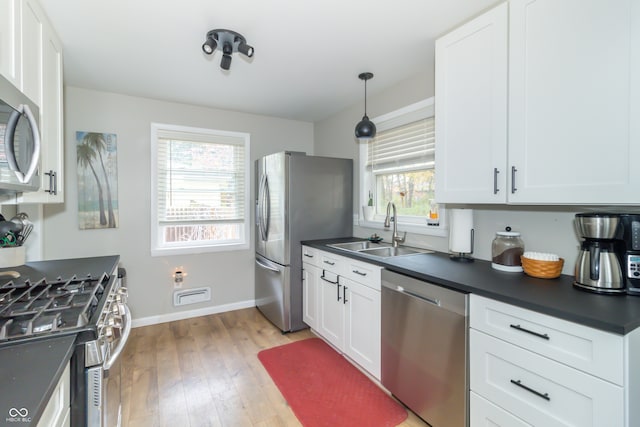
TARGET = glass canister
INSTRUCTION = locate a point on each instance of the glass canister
(506, 249)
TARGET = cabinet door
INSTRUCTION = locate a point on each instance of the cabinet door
(485, 414)
(10, 40)
(471, 111)
(310, 277)
(574, 72)
(331, 317)
(56, 413)
(538, 390)
(51, 123)
(362, 325)
(31, 53)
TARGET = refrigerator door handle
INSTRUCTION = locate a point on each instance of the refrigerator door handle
(260, 208)
(266, 216)
(268, 267)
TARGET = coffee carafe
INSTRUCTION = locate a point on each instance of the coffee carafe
(598, 266)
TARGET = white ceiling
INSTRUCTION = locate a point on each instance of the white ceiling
(308, 53)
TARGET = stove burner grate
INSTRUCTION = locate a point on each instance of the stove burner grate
(28, 308)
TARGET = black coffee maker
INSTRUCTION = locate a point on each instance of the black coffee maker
(630, 255)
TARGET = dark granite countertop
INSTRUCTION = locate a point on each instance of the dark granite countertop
(29, 373)
(619, 314)
(30, 369)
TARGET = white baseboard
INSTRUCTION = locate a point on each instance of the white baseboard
(181, 315)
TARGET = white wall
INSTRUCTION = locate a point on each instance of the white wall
(230, 274)
(544, 229)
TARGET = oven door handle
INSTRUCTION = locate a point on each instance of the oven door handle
(123, 339)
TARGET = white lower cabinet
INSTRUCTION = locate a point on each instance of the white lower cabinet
(362, 325)
(527, 368)
(310, 309)
(56, 413)
(486, 414)
(539, 390)
(346, 306)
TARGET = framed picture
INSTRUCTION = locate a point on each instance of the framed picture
(97, 180)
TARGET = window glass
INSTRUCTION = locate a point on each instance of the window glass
(200, 200)
(399, 166)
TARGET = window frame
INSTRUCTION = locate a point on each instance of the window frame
(413, 112)
(156, 248)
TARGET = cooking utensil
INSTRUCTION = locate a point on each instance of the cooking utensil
(21, 219)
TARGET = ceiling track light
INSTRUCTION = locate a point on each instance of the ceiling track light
(365, 129)
(228, 42)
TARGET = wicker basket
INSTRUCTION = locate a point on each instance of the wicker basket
(542, 269)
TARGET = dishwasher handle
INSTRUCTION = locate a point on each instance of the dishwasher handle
(433, 301)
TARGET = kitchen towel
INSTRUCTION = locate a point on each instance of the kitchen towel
(461, 225)
(324, 390)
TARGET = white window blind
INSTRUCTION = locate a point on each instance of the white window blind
(200, 198)
(403, 148)
(200, 178)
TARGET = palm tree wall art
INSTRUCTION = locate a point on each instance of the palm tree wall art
(97, 180)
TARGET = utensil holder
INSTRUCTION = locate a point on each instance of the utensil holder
(12, 256)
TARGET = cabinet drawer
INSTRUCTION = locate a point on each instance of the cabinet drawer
(486, 414)
(331, 262)
(540, 391)
(57, 409)
(362, 272)
(310, 256)
(588, 349)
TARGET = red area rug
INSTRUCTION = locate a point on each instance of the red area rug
(324, 389)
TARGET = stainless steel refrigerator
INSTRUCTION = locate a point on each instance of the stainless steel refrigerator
(298, 197)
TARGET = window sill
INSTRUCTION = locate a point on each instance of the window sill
(409, 228)
(193, 250)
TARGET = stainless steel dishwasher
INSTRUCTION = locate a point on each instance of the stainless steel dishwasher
(425, 348)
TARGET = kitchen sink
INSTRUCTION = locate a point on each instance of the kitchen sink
(391, 252)
(381, 250)
(359, 246)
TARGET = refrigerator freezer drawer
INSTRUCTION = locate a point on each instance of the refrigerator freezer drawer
(273, 292)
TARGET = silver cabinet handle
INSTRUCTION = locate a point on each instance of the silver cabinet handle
(344, 294)
(359, 272)
(53, 183)
(545, 396)
(329, 262)
(537, 334)
(327, 280)
(513, 179)
(308, 256)
(495, 180)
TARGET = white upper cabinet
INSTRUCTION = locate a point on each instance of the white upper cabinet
(573, 100)
(51, 123)
(31, 51)
(42, 80)
(535, 104)
(471, 111)
(10, 40)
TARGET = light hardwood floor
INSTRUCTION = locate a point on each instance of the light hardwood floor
(205, 372)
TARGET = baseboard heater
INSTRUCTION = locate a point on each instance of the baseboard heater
(191, 296)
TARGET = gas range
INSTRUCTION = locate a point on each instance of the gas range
(84, 298)
(31, 309)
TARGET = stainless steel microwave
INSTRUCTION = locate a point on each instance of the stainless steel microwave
(19, 141)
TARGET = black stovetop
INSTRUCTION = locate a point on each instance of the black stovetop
(30, 308)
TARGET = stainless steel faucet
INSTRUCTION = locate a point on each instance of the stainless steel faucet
(395, 239)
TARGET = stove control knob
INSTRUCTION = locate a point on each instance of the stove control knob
(115, 322)
(121, 295)
(108, 333)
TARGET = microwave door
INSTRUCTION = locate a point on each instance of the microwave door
(23, 158)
